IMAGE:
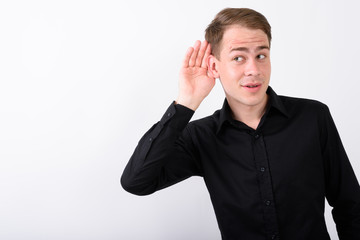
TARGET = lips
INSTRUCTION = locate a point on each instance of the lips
(252, 87)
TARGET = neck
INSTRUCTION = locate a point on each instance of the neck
(248, 114)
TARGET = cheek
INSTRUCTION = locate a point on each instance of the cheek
(231, 71)
(267, 68)
(268, 73)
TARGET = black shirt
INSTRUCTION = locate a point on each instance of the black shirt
(268, 183)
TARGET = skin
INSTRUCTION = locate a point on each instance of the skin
(243, 68)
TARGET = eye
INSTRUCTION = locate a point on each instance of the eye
(238, 59)
(261, 56)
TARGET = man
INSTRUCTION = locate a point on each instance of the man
(268, 161)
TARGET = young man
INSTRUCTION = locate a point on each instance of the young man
(268, 161)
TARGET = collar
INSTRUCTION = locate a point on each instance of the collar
(274, 102)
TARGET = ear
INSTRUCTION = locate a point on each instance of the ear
(212, 64)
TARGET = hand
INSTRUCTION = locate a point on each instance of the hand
(195, 82)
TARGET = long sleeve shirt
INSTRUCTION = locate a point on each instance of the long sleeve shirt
(268, 183)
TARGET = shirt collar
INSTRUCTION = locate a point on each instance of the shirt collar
(274, 102)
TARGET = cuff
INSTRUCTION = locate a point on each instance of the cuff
(177, 116)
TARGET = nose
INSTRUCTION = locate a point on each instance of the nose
(252, 68)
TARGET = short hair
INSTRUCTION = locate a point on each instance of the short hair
(244, 17)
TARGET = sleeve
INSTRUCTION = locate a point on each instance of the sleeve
(163, 156)
(342, 187)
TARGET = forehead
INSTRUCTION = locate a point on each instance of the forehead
(238, 36)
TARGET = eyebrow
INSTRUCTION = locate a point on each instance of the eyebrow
(244, 49)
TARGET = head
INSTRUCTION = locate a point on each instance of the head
(240, 43)
(244, 17)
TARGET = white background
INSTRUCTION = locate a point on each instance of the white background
(81, 81)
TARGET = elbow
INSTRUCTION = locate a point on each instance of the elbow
(133, 187)
(128, 186)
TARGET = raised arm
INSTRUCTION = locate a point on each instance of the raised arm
(165, 154)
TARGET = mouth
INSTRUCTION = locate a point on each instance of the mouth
(252, 87)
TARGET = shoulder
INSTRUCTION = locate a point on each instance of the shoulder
(312, 114)
(297, 106)
(206, 124)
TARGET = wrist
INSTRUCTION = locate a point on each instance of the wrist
(191, 104)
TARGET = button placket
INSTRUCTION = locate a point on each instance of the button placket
(265, 183)
(274, 236)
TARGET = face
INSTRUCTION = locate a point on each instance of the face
(243, 66)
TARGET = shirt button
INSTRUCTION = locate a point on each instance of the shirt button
(274, 236)
(169, 114)
(268, 203)
(262, 169)
(257, 136)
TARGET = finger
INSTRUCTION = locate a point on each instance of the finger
(207, 54)
(192, 60)
(201, 54)
(186, 60)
